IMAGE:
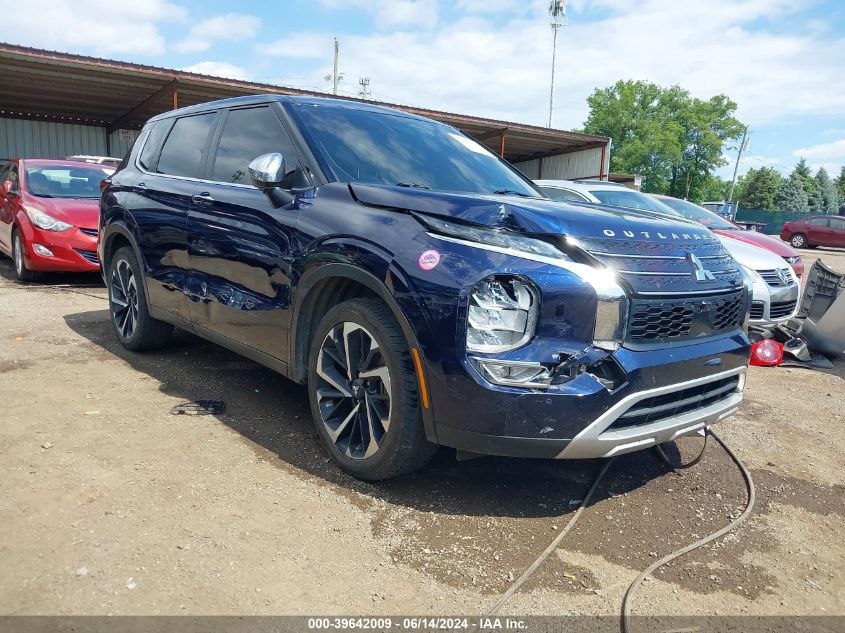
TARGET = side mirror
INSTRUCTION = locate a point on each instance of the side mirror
(8, 185)
(267, 173)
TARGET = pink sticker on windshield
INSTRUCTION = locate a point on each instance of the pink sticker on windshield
(429, 259)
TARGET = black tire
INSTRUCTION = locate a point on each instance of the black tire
(130, 315)
(22, 273)
(799, 240)
(362, 447)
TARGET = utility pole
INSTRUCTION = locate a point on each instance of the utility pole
(335, 77)
(742, 147)
(364, 92)
(557, 9)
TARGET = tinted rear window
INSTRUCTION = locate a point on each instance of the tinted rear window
(183, 151)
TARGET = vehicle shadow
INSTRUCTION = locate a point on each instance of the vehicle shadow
(77, 280)
(273, 414)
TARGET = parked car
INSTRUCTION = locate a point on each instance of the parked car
(602, 193)
(819, 230)
(110, 161)
(419, 285)
(725, 228)
(49, 215)
(776, 287)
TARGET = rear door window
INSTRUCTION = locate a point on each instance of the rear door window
(184, 150)
(818, 222)
(247, 134)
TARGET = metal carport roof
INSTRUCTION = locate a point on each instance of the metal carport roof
(52, 86)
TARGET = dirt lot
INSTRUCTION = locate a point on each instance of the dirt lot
(110, 505)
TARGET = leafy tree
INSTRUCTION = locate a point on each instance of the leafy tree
(760, 189)
(713, 188)
(802, 171)
(670, 138)
(840, 186)
(791, 196)
(828, 197)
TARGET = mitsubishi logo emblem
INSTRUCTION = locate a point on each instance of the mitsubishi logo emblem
(698, 270)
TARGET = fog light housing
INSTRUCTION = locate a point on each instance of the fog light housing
(514, 373)
(502, 314)
(42, 250)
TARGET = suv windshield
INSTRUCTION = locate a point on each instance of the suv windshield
(699, 214)
(622, 197)
(60, 181)
(389, 149)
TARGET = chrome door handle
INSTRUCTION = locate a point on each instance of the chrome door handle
(203, 198)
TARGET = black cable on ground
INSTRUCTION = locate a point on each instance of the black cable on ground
(665, 459)
(516, 584)
(749, 483)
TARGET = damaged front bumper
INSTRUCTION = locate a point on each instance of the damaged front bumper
(591, 410)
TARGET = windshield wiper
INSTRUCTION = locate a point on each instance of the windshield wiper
(511, 192)
(413, 185)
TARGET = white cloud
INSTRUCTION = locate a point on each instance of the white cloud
(488, 6)
(388, 14)
(220, 69)
(230, 26)
(825, 151)
(101, 27)
(301, 45)
(501, 69)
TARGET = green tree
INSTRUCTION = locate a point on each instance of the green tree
(791, 196)
(760, 189)
(713, 188)
(670, 138)
(828, 197)
(840, 186)
(805, 176)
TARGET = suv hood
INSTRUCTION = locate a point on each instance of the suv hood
(536, 215)
(647, 249)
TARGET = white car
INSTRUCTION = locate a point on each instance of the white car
(776, 287)
(601, 192)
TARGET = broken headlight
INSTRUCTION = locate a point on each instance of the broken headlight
(502, 314)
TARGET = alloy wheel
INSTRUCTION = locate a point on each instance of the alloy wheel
(353, 390)
(124, 299)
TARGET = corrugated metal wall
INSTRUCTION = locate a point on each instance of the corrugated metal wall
(119, 146)
(41, 139)
(582, 164)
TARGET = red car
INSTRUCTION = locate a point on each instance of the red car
(49, 215)
(721, 226)
(819, 230)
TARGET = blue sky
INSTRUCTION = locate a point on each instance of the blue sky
(780, 60)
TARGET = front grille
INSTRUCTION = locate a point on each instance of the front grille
(89, 256)
(662, 319)
(756, 309)
(650, 266)
(91, 232)
(671, 405)
(780, 309)
(772, 277)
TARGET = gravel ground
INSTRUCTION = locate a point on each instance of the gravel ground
(112, 506)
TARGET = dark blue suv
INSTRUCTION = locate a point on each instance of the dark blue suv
(424, 289)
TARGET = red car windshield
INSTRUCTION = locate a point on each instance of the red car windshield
(65, 181)
(699, 214)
